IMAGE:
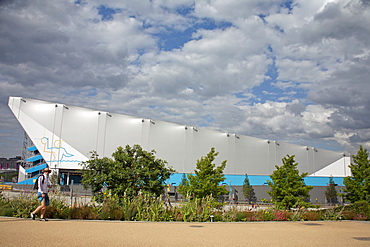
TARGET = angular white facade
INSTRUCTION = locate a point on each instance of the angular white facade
(65, 135)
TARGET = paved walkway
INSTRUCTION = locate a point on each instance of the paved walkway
(25, 232)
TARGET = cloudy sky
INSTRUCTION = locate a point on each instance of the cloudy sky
(293, 71)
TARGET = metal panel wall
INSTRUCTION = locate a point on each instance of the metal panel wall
(251, 156)
(168, 140)
(81, 129)
(121, 130)
(58, 131)
(300, 153)
(323, 158)
(204, 140)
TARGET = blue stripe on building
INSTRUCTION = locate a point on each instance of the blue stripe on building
(238, 180)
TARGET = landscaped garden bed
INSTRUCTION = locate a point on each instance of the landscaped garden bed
(150, 208)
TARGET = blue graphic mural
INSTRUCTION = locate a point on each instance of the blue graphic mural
(55, 150)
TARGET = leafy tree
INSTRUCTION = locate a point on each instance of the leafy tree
(206, 180)
(248, 191)
(331, 193)
(288, 188)
(358, 185)
(53, 178)
(184, 180)
(130, 171)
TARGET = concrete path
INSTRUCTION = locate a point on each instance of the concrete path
(25, 232)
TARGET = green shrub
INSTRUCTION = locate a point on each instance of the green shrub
(24, 204)
(59, 212)
(250, 216)
(217, 216)
(331, 214)
(240, 216)
(348, 215)
(112, 209)
(229, 216)
(267, 214)
(311, 215)
(150, 208)
(361, 207)
(198, 209)
(145, 207)
(169, 214)
(298, 215)
(58, 209)
(108, 213)
(51, 212)
(84, 212)
(9, 212)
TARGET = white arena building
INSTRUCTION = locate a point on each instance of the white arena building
(64, 135)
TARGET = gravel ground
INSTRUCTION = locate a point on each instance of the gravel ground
(26, 232)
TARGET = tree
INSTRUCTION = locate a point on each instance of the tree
(331, 193)
(288, 188)
(206, 180)
(358, 185)
(53, 178)
(184, 180)
(130, 171)
(248, 191)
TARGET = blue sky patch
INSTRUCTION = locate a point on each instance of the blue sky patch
(269, 90)
(80, 2)
(262, 18)
(288, 5)
(175, 39)
(240, 95)
(184, 10)
(107, 13)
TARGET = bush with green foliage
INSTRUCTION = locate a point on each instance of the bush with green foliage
(207, 178)
(288, 189)
(331, 193)
(248, 191)
(20, 206)
(198, 209)
(146, 207)
(358, 185)
(132, 170)
(357, 211)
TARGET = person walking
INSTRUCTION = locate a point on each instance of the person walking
(42, 194)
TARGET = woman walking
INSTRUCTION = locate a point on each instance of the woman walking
(42, 194)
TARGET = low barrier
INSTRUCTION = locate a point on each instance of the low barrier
(6, 187)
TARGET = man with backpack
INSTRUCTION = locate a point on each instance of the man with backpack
(42, 184)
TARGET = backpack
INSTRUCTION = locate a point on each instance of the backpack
(36, 185)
